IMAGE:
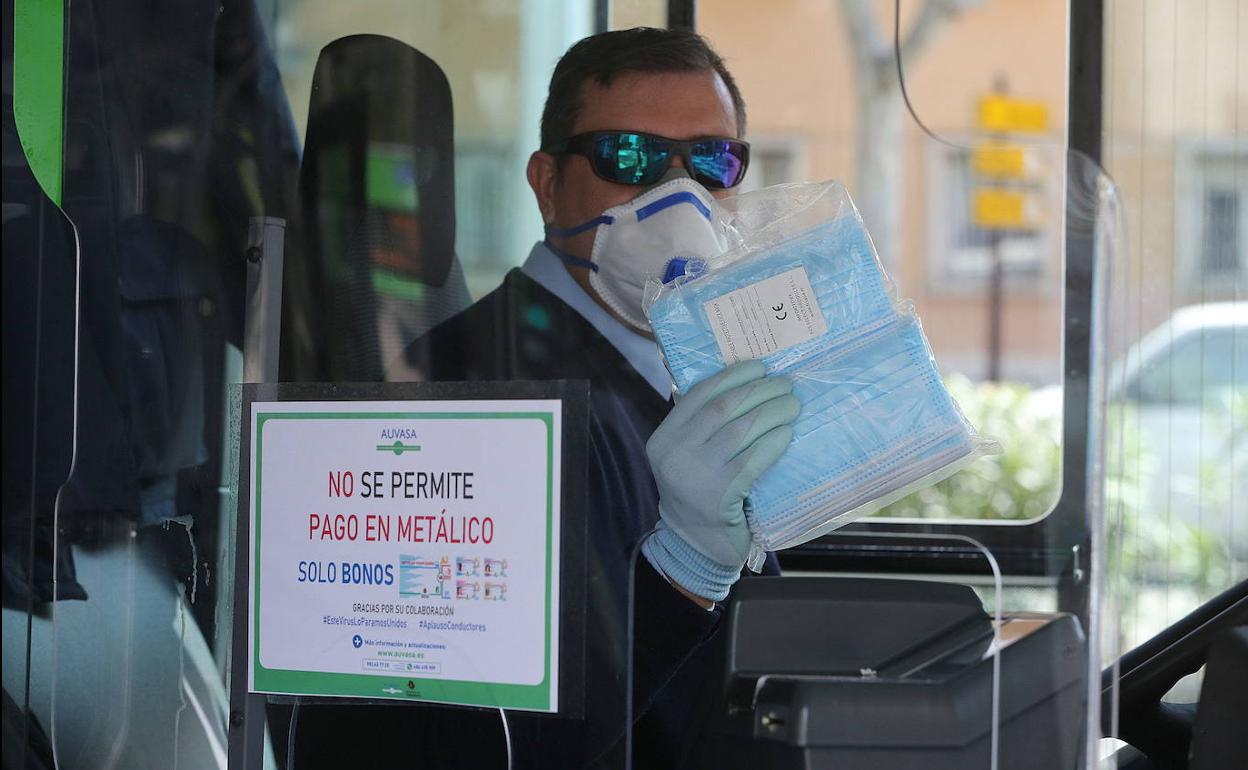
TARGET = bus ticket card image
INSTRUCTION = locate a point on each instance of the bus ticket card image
(496, 568)
(466, 589)
(495, 592)
(467, 566)
(424, 578)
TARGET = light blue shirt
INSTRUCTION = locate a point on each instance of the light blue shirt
(641, 352)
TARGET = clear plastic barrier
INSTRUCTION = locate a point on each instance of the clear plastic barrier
(1180, 380)
(967, 218)
(1174, 139)
(1066, 617)
(317, 192)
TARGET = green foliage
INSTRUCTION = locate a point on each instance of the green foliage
(1145, 546)
(1160, 566)
(1161, 563)
(1161, 546)
(1022, 482)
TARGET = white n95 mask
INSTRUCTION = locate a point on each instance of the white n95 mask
(668, 231)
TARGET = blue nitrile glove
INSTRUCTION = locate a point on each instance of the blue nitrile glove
(707, 453)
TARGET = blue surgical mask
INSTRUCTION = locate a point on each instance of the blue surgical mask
(876, 419)
(844, 277)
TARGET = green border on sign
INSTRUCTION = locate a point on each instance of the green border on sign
(291, 682)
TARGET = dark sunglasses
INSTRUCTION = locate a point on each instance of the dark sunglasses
(631, 157)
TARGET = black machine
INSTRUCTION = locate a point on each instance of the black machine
(858, 674)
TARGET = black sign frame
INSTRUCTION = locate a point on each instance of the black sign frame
(247, 710)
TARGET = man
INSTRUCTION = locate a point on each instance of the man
(661, 83)
(622, 109)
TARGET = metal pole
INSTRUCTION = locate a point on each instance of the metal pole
(996, 286)
(1084, 115)
(266, 238)
(996, 281)
(682, 14)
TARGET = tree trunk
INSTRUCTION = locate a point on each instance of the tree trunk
(879, 167)
(880, 150)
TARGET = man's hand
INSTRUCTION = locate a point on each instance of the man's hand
(705, 456)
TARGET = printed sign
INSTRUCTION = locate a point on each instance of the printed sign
(994, 160)
(999, 209)
(406, 550)
(1003, 114)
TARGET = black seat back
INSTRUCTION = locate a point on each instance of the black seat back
(376, 266)
(1219, 739)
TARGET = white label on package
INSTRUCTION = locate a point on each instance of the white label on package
(773, 314)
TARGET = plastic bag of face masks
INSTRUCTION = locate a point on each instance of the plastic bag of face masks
(802, 289)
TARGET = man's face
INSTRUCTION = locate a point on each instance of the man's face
(677, 105)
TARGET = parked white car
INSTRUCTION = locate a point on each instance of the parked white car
(1188, 382)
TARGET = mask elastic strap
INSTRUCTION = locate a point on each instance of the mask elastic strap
(568, 258)
(675, 199)
(560, 232)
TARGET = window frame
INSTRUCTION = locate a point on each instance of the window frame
(1055, 547)
(1193, 160)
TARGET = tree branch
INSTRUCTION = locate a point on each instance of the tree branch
(931, 16)
(862, 33)
(873, 52)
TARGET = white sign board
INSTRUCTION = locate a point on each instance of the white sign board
(406, 549)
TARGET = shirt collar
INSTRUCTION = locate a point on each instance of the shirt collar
(642, 353)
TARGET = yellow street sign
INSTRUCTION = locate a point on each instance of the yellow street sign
(998, 161)
(996, 209)
(1002, 114)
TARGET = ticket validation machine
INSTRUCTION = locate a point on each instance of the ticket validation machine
(854, 673)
